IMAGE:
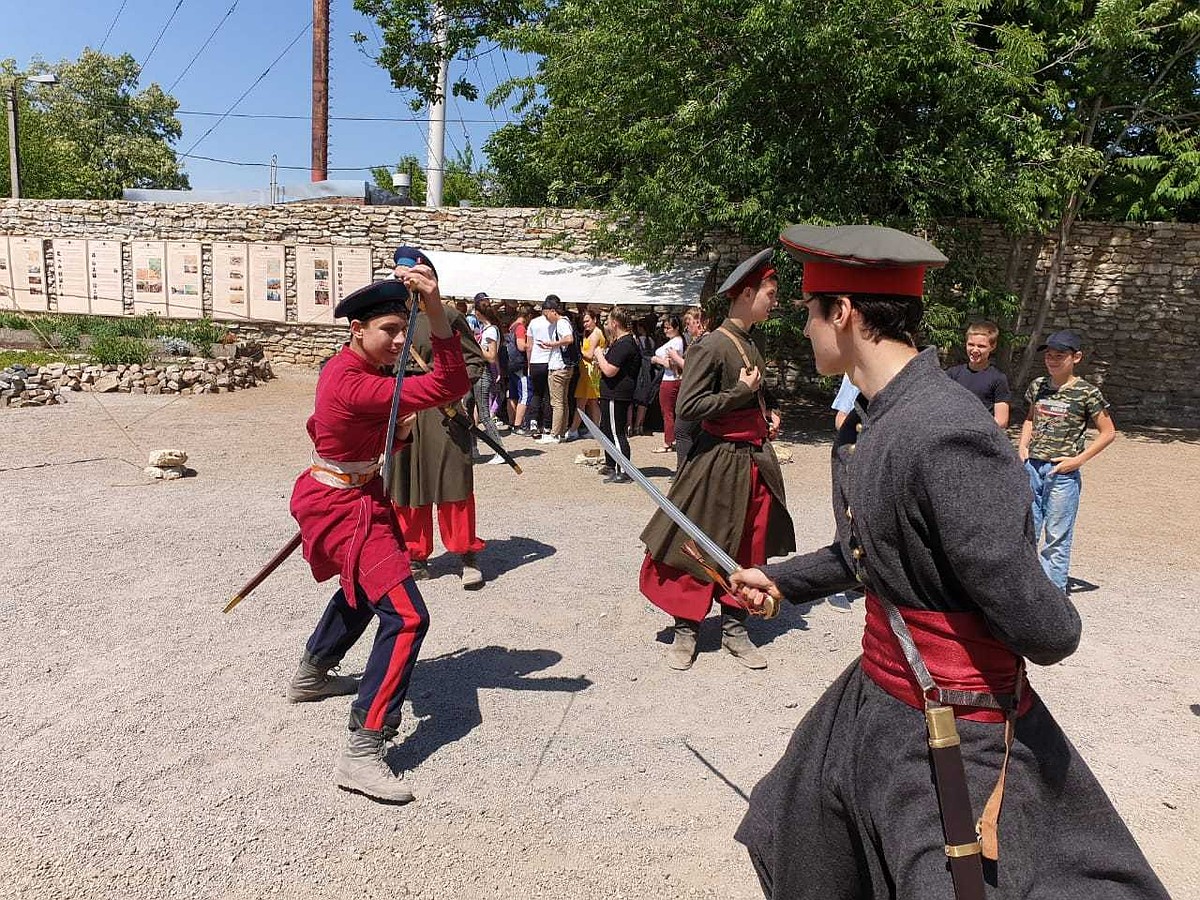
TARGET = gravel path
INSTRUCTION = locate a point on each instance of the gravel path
(148, 751)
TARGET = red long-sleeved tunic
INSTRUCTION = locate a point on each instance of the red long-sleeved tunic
(353, 532)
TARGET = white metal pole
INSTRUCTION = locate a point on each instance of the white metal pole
(435, 166)
(14, 150)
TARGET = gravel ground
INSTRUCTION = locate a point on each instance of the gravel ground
(148, 751)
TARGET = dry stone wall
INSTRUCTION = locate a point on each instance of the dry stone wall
(1132, 291)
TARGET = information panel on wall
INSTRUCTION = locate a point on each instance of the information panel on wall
(183, 280)
(229, 281)
(28, 273)
(351, 270)
(7, 299)
(314, 285)
(149, 278)
(266, 282)
(106, 288)
(70, 274)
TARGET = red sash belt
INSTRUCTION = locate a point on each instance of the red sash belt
(958, 650)
(740, 425)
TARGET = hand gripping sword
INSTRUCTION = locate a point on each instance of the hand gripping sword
(290, 547)
(701, 547)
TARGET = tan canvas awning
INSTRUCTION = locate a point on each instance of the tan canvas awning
(599, 282)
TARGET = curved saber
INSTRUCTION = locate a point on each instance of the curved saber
(703, 545)
(401, 365)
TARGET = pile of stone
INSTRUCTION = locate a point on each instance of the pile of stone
(167, 465)
(22, 385)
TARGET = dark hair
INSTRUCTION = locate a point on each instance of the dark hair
(674, 321)
(526, 310)
(885, 317)
(485, 310)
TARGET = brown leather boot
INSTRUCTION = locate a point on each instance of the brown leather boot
(682, 653)
(736, 640)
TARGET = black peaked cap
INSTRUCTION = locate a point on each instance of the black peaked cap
(379, 298)
(745, 269)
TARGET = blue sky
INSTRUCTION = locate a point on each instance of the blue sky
(252, 36)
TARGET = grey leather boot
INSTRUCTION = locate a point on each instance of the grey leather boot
(682, 653)
(735, 639)
(362, 769)
(313, 681)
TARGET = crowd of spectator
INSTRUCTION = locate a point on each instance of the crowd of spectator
(548, 365)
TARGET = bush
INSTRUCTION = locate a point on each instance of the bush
(200, 333)
(113, 349)
(13, 320)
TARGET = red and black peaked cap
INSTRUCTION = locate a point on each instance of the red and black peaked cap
(861, 259)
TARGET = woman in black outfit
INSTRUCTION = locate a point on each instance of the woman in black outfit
(619, 367)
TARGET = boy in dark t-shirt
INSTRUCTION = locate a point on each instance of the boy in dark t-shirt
(979, 376)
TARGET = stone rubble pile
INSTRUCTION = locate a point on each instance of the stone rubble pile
(167, 464)
(30, 385)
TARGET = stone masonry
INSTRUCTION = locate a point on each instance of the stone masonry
(1132, 291)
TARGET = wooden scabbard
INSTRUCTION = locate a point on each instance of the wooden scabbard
(963, 848)
(284, 552)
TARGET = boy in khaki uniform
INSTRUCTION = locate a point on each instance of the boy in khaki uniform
(1060, 406)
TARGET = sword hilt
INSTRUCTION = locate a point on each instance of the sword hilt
(770, 609)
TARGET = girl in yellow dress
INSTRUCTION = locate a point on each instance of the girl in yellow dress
(587, 392)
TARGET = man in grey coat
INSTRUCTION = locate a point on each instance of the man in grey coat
(956, 602)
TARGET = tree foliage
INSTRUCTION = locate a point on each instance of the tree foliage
(93, 133)
(464, 180)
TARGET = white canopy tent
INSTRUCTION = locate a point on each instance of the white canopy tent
(592, 281)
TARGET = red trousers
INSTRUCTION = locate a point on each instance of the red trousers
(456, 522)
(668, 393)
(680, 594)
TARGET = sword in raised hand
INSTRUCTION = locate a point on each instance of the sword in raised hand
(701, 548)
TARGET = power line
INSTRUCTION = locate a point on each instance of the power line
(112, 24)
(262, 165)
(161, 32)
(304, 118)
(203, 46)
(253, 85)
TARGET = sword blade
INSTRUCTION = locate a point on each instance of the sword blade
(401, 365)
(711, 549)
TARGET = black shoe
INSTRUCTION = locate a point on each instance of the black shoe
(606, 470)
(618, 478)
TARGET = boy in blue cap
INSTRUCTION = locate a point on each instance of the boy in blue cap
(1059, 408)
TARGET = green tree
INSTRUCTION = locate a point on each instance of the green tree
(93, 133)
(463, 181)
(411, 50)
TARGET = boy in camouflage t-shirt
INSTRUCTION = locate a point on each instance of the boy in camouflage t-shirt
(1060, 407)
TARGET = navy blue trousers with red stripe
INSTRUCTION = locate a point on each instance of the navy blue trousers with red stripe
(403, 621)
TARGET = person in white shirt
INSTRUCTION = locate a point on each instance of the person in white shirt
(538, 336)
(549, 334)
(668, 389)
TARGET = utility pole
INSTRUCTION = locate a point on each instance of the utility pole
(435, 166)
(320, 91)
(14, 149)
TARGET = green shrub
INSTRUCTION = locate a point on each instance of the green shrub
(114, 349)
(68, 335)
(146, 326)
(13, 320)
(200, 333)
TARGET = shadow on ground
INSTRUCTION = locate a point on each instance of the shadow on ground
(445, 694)
(498, 558)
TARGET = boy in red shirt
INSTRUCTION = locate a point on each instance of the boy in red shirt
(349, 528)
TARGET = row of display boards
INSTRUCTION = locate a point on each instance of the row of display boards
(247, 279)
